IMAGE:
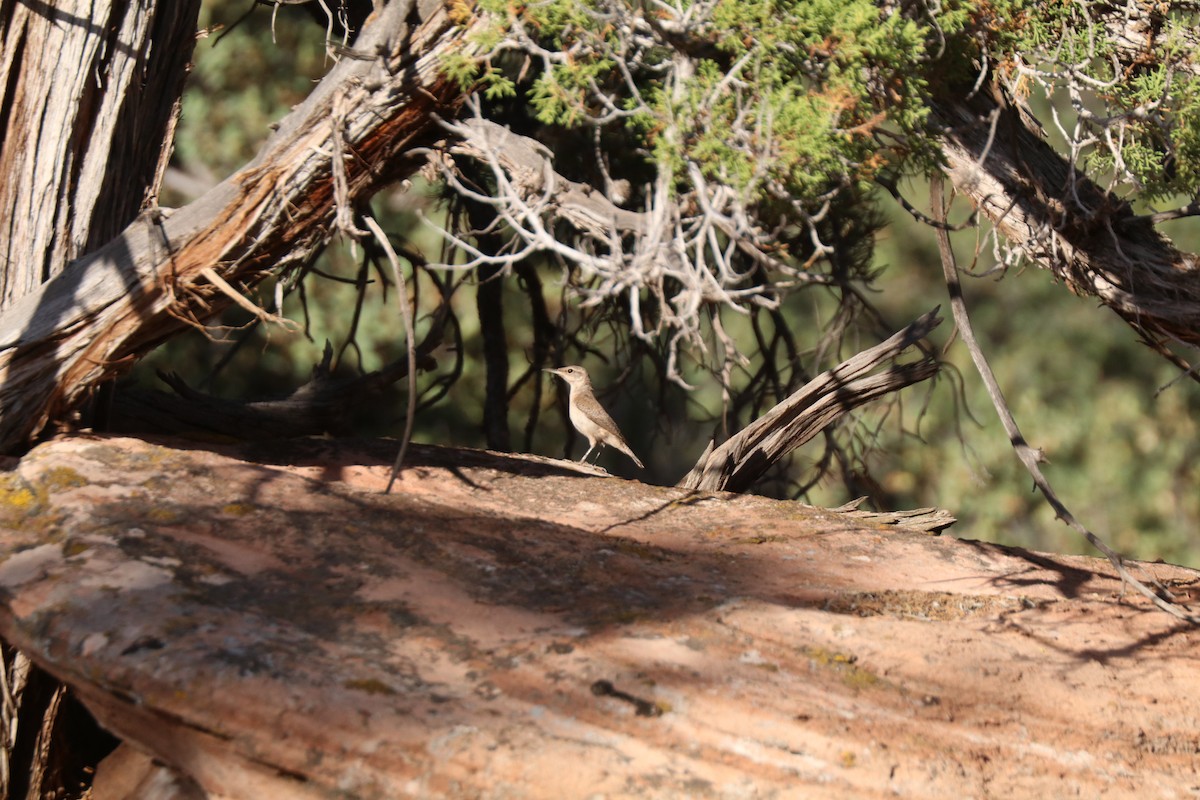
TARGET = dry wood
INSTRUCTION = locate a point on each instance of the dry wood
(736, 464)
(89, 98)
(89, 93)
(118, 302)
(1029, 456)
(1065, 223)
(410, 343)
(327, 404)
(528, 165)
(929, 520)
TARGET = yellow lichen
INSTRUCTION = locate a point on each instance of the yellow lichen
(765, 539)
(74, 547)
(643, 551)
(57, 479)
(16, 495)
(165, 515)
(827, 657)
(845, 665)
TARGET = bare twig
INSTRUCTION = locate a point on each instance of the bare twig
(916, 213)
(410, 334)
(233, 294)
(692, 254)
(1190, 210)
(1029, 456)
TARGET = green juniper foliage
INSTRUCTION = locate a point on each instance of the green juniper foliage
(785, 99)
(796, 98)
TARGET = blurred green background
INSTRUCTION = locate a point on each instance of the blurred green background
(1122, 454)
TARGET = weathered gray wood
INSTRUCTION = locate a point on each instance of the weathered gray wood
(1097, 249)
(529, 166)
(90, 94)
(89, 98)
(116, 303)
(744, 457)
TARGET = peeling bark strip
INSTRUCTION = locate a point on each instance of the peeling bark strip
(736, 464)
(1065, 223)
(120, 301)
(87, 97)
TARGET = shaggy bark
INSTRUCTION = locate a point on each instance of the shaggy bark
(87, 103)
(1064, 222)
(163, 272)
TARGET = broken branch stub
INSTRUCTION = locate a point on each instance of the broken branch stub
(736, 464)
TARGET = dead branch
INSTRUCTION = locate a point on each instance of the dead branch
(672, 250)
(1062, 221)
(410, 342)
(737, 463)
(928, 520)
(1029, 456)
(326, 404)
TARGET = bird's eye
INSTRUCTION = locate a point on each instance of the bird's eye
(570, 372)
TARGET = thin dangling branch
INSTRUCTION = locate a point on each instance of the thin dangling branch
(1029, 456)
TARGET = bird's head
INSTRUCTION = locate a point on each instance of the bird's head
(575, 376)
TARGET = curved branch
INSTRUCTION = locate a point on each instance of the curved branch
(737, 463)
(115, 304)
(1031, 458)
(1065, 223)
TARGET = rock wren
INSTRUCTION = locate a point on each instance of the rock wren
(588, 416)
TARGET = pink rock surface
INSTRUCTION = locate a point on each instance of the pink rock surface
(265, 621)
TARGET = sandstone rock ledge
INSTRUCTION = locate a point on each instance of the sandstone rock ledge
(264, 622)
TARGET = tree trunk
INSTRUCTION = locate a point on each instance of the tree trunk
(89, 98)
(163, 272)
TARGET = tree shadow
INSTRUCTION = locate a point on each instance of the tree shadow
(1070, 581)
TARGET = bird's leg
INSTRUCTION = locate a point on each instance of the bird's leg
(588, 453)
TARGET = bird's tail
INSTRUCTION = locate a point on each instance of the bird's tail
(627, 451)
